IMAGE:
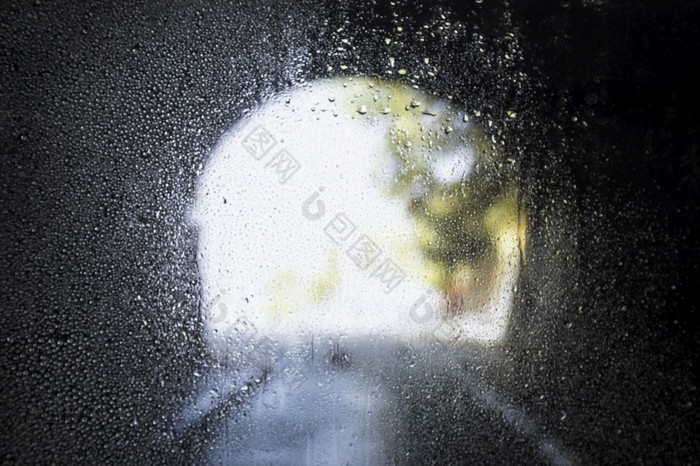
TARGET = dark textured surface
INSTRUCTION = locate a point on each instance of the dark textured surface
(108, 111)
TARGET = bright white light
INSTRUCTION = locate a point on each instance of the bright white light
(296, 200)
(454, 166)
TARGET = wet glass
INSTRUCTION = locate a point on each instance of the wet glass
(348, 232)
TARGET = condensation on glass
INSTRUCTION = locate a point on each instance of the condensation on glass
(338, 222)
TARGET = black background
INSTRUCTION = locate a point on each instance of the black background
(106, 117)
